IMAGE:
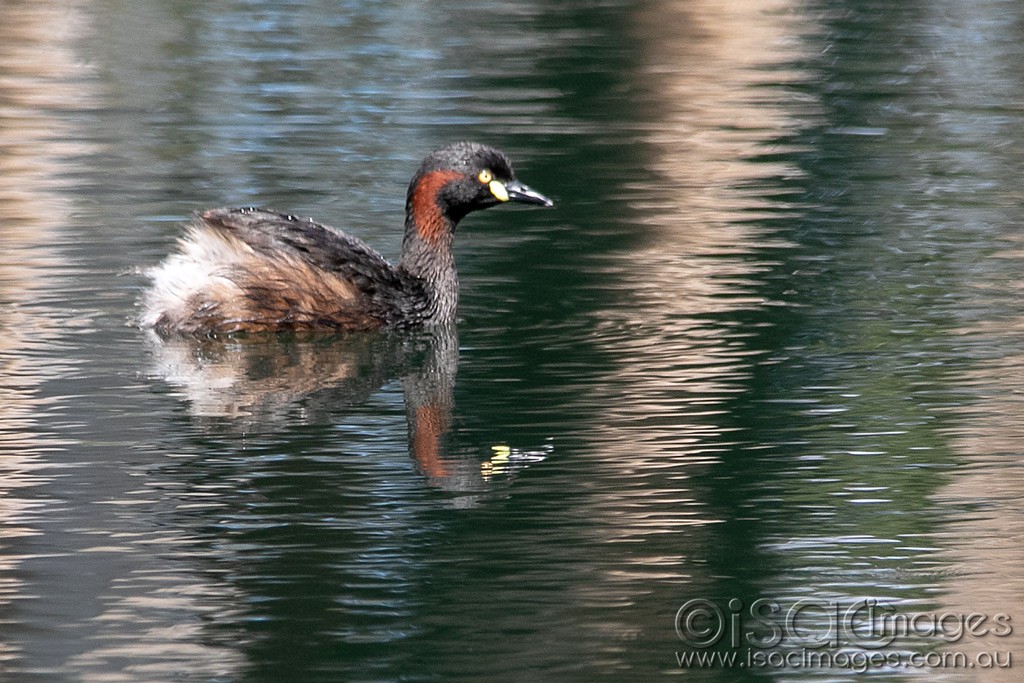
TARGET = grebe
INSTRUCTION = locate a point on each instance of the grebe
(256, 270)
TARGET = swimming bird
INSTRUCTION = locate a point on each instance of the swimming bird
(257, 270)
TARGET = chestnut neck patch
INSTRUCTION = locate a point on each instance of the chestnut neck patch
(429, 221)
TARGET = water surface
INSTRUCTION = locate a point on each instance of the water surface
(766, 346)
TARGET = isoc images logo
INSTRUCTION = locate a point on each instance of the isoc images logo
(811, 623)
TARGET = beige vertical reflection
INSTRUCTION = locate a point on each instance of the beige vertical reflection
(986, 545)
(43, 83)
(716, 74)
(38, 72)
(708, 93)
(711, 94)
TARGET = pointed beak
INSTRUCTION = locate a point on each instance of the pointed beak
(517, 192)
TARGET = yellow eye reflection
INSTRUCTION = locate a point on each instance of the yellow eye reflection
(485, 177)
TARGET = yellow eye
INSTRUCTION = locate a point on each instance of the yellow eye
(485, 177)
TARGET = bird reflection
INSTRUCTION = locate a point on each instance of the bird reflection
(267, 384)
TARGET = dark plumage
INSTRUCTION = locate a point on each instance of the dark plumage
(252, 270)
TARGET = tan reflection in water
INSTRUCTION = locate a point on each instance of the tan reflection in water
(43, 82)
(986, 546)
(258, 384)
(37, 67)
(708, 76)
(265, 383)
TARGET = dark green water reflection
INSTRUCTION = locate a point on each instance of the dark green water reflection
(766, 347)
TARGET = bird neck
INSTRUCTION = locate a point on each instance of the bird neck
(427, 256)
